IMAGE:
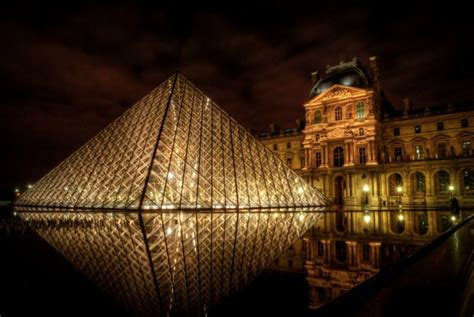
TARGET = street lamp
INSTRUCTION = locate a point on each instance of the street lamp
(399, 191)
(365, 189)
(451, 189)
(366, 217)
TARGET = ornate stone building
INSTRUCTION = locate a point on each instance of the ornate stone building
(346, 248)
(358, 150)
(362, 153)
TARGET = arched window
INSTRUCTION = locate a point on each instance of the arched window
(442, 181)
(420, 183)
(338, 157)
(468, 179)
(338, 112)
(395, 181)
(360, 110)
(317, 117)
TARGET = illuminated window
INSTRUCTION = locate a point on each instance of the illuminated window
(420, 185)
(318, 159)
(288, 145)
(396, 131)
(398, 154)
(338, 112)
(338, 157)
(466, 148)
(275, 147)
(464, 123)
(419, 151)
(418, 128)
(360, 111)
(361, 131)
(317, 117)
(440, 126)
(442, 181)
(468, 179)
(362, 157)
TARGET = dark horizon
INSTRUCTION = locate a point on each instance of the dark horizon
(68, 72)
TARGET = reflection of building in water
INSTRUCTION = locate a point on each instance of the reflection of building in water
(343, 249)
(353, 137)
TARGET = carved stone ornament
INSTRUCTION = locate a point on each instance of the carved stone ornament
(338, 93)
(336, 133)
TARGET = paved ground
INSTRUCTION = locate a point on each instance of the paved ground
(437, 282)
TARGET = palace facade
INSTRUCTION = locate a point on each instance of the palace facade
(359, 151)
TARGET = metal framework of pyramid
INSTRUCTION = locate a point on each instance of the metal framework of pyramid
(173, 205)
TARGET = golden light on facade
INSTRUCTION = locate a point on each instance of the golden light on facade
(366, 218)
(175, 201)
(401, 217)
(365, 188)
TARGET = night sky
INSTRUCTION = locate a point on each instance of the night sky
(67, 72)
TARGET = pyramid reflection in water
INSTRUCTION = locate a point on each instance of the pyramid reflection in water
(172, 206)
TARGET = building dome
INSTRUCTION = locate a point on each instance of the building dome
(353, 76)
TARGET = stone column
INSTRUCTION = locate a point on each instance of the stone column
(306, 158)
(375, 253)
(325, 157)
(326, 251)
(351, 253)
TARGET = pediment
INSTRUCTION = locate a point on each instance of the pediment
(339, 92)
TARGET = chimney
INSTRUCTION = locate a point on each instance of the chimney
(299, 124)
(406, 106)
(274, 128)
(375, 72)
(314, 77)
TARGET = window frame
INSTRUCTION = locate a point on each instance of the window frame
(338, 113)
(360, 110)
(338, 161)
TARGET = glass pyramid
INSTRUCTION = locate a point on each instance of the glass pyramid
(172, 206)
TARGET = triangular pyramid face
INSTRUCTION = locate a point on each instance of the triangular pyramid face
(173, 206)
(174, 149)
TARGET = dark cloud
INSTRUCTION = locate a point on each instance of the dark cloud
(67, 72)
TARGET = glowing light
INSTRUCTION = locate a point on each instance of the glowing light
(300, 190)
(453, 218)
(451, 188)
(365, 189)
(366, 218)
(17, 190)
(29, 186)
(401, 217)
(399, 189)
(301, 218)
(170, 175)
(169, 231)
